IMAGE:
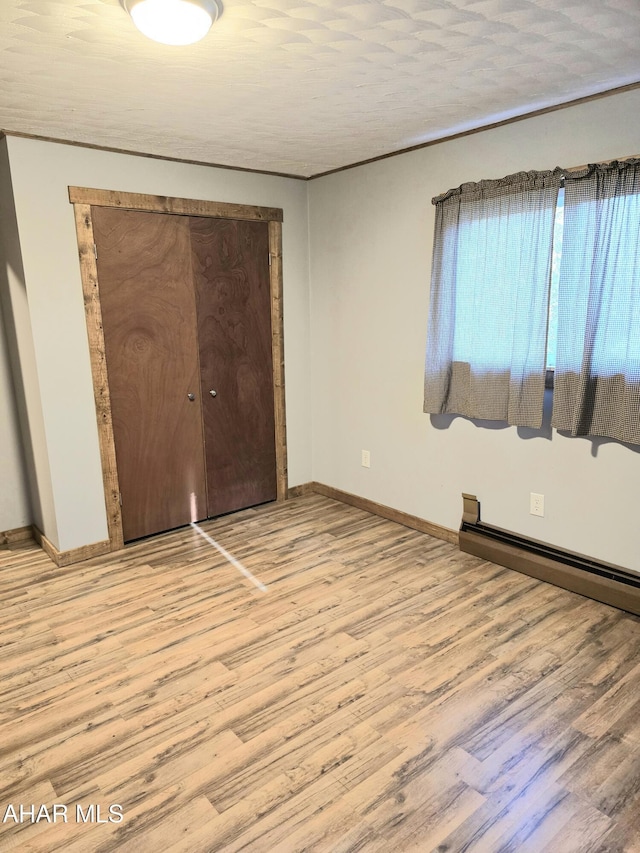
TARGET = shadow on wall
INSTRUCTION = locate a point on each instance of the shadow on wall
(10, 345)
(545, 431)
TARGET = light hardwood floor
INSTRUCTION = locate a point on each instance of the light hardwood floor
(386, 693)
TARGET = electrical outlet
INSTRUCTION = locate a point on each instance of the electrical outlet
(536, 504)
(366, 459)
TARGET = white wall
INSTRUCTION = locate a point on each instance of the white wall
(371, 241)
(14, 502)
(41, 173)
(17, 465)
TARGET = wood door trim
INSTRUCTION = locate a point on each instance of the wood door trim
(277, 349)
(178, 206)
(97, 353)
(82, 199)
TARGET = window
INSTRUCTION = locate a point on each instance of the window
(527, 276)
(556, 254)
(597, 376)
(487, 339)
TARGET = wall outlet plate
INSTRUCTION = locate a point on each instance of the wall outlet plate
(536, 504)
(366, 459)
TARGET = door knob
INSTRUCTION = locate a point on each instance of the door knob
(192, 397)
(213, 393)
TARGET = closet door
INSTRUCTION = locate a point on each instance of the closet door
(231, 275)
(149, 320)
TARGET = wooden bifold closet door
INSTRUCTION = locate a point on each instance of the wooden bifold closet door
(187, 327)
(233, 305)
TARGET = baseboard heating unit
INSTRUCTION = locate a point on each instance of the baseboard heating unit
(601, 581)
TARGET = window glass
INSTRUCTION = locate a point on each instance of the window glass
(552, 329)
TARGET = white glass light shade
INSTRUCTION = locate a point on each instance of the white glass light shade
(173, 21)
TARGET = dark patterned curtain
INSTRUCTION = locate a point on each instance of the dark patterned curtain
(597, 378)
(486, 344)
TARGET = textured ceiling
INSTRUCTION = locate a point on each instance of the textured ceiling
(305, 86)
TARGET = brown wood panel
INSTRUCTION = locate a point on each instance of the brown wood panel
(95, 334)
(168, 204)
(277, 349)
(232, 285)
(148, 313)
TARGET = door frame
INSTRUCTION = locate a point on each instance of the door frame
(82, 199)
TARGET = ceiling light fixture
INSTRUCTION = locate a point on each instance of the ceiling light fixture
(173, 21)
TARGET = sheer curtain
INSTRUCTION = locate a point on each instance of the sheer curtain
(597, 379)
(486, 343)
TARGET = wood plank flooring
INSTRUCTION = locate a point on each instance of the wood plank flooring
(386, 693)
